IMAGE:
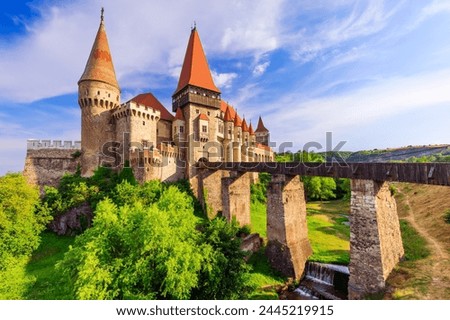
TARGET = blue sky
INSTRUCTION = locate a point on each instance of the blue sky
(374, 73)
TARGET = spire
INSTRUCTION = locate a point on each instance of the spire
(244, 126)
(228, 117)
(250, 129)
(99, 66)
(195, 70)
(237, 121)
(261, 127)
(179, 115)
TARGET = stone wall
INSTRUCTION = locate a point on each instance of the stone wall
(236, 198)
(207, 187)
(375, 239)
(47, 166)
(288, 246)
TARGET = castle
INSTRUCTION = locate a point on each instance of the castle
(142, 133)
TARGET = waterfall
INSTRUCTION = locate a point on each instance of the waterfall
(324, 281)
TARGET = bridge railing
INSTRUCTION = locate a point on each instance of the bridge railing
(423, 173)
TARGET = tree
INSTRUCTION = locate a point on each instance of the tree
(20, 226)
(150, 246)
(224, 274)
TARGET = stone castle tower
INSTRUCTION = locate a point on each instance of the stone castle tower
(98, 94)
(197, 100)
(142, 133)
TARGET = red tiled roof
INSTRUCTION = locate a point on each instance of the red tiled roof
(228, 117)
(264, 147)
(203, 116)
(195, 70)
(244, 126)
(237, 121)
(261, 127)
(149, 100)
(250, 129)
(179, 115)
(100, 66)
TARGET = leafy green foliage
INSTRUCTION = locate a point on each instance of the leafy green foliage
(258, 190)
(224, 274)
(20, 227)
(146, 243)
(318, 188)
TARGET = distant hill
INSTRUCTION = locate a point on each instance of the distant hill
(431, 153)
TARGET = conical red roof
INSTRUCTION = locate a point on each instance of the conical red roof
(250, 129)
(228, 117)
(99, 66)
(244, 126)
(195, 70)
(261, 127)
(179, 115)
(237, 121)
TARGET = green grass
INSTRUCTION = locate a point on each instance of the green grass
(327, 233)
(258, 218)
(415, 245)
(50, 284)
(264, 278)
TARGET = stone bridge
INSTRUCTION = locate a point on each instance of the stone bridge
(375, 239)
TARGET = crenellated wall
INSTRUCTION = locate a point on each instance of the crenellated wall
(45, 167)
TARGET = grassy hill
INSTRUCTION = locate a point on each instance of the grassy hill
(423, 207)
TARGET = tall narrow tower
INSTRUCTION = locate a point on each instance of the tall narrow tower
(98, 94)
(199, 99)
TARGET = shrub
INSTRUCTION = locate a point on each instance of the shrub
(447, 216)
(20, 226)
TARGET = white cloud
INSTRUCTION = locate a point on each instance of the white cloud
(308, 119)
(362, 21)
(259, 69)
(147, 36)
(223, 80)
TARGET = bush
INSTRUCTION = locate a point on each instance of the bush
(145, 243)
(20, 226)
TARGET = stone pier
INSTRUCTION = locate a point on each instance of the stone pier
(375, 239)
(236, 197)
(209, 191)
(288, 246)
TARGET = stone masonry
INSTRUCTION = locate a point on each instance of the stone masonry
(288, 246)
(236, 198)
(375, 239)
(45, 167)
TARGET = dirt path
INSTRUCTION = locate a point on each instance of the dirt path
(437, 265)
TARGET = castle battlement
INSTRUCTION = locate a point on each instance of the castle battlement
(36, 144)
(132, 108)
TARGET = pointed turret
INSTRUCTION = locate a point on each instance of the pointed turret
(244, 126)
(99, 66)
(98, 95)
(237, 121)
(195, 70)
(228, 117)
(196, 84)
(250, 129)
(261, 127)
(262, 134)
(179, 115)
